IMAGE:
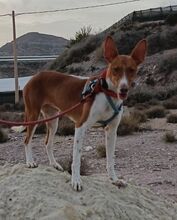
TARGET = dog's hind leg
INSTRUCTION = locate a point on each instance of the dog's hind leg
(51, 130)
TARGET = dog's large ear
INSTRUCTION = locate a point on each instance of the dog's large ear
(139, 52)
(110, 49)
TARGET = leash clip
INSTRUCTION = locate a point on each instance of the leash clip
(89, 88)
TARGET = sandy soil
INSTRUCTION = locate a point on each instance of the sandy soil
(142, 158)
(46, 194)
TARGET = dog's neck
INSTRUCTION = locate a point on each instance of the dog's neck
(112, 87)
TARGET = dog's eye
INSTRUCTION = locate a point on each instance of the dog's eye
(117, 69)
(130, 70)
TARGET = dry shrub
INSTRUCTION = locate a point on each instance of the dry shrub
(77, 53)
(66, 127)
(66, 163)
(153, 102)
(172, 118)
(141, 95)
(128, 125)
(7, 107)
(169, 137)
(81, 35)
(41, 129)
(141, 106)
(3, 135)
(156, 112)
(168, 64)
(77, 69)
(12, 116)
(170, 103)
(145, 95)
(99, 53)
(101, 151)
(139, 115)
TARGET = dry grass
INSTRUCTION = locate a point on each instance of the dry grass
(101, 151)
(172, 118)
(169, 137)
(128, 125)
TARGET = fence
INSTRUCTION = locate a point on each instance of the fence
(153, 14)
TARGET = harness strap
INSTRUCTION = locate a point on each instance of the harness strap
(116, 109)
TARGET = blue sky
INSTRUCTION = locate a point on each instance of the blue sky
(65, 24)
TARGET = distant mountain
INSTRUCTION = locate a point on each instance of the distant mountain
(36, 44)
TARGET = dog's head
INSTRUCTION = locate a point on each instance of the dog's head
(122, 68)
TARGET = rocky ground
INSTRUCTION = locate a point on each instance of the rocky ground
(142, 158)
(45, 194)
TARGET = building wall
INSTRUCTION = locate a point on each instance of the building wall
(8, 97)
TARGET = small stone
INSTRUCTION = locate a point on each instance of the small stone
(88, 148)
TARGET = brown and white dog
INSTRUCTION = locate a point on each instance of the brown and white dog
(49, 92)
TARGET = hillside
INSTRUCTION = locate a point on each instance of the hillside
(85, 58)
(31, 44)
(35, 44)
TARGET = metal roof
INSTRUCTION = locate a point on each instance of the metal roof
(8, 84)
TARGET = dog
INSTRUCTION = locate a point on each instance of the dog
(51, 92)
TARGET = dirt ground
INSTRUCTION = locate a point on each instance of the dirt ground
(142, 158)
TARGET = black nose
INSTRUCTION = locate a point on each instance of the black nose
(124, 90)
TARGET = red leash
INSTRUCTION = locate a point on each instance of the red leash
(60, 114)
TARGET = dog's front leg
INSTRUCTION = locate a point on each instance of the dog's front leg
(111, 136)
(78, 142)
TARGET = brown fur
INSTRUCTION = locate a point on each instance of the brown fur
(56, 91)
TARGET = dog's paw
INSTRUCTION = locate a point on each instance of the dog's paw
(76, 184)
(120, 183)
(57, 166)
(31, 164)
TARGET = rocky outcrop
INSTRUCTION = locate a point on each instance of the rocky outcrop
(46, 194)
